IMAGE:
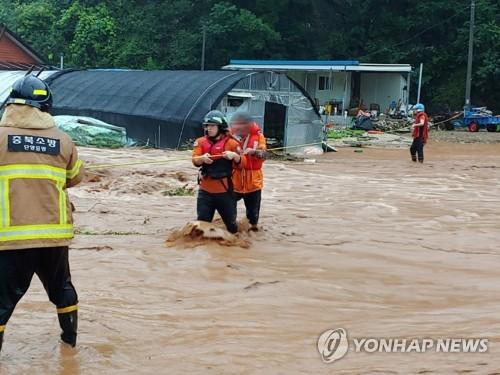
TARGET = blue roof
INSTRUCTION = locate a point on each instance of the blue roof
(296, 62)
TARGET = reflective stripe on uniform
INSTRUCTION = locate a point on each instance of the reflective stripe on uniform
(65, 310)
(5, 203)
(62, 230)
(63, 209)
(32, 171)
(2, 328)
(34, 232)
(75, 171)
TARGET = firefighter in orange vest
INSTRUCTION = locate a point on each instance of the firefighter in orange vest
(37, 163)
(248, 180)
(217, 153)
(420, 133)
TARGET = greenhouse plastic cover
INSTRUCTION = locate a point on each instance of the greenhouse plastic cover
(162, 108)
(86, 131)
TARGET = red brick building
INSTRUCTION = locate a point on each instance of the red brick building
(15, 54)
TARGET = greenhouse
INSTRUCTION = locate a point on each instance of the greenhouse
(165, 109)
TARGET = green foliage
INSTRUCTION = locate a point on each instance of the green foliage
(167, 34)
(237, 33)
(92, 34)
(34, 21)
(345, 133)
(183, 191)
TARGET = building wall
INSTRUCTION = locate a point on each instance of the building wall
(10, 51)
(336, 92)
(382, 89)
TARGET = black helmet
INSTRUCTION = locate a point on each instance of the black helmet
(32, 91)
(217, 118)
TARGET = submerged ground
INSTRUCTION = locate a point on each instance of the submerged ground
(364, 241)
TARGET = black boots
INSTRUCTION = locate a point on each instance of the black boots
(69, 325)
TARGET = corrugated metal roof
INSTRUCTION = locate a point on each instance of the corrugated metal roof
(312, 66)
(295, 62)
(7, 65)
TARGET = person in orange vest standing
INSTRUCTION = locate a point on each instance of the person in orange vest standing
(420, 133)
(38, 162)
(248, 180)
(217, 154)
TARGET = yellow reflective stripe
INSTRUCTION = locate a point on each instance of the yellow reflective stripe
(65, 310)
(36, 227)
(63, 209)
(33, 167)
(5, 203)
(74, 171)
(33, 171)
(39, 92)
(34, 232)
(19, 101)
(2, 328)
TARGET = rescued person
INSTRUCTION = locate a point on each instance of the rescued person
(248, 180)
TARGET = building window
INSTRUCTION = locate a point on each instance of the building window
(324, 83)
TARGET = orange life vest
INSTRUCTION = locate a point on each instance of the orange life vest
(252, 141)
(421, 131)
(220, 168)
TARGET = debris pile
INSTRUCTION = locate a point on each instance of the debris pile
(387, 124)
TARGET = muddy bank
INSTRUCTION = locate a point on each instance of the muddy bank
(403, 140)
(364, 241)
(463, 136)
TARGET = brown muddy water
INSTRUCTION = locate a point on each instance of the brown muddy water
(364, 241)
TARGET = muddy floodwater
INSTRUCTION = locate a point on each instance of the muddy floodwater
(364, 241)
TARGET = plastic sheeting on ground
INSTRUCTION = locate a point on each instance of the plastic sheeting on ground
(87, 131)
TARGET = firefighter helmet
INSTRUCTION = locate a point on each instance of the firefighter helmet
(32, 91)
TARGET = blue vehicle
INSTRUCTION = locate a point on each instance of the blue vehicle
(477, 118)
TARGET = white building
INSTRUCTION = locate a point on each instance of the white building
(343, 84)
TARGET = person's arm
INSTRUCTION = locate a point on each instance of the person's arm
(233, 153)
(418, 124)
(75, 170)
(261, 152)
(198, 157)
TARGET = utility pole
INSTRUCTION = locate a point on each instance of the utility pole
(420, 82)
(203, 47)
(468, 81)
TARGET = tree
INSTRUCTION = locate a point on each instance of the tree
(234, 32)
(167, 34)
(92, 35)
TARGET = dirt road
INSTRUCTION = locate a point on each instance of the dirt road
(364, 241)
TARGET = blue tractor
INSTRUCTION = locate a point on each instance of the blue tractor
(477, 118)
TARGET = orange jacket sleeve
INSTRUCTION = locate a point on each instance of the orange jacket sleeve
(233, 145)
(197, 150)
(262, 143)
